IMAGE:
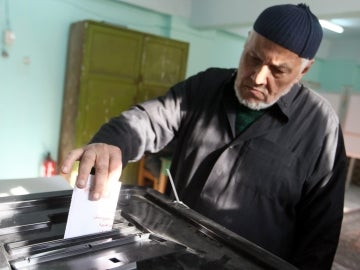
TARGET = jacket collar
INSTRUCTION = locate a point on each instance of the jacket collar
(285, 102)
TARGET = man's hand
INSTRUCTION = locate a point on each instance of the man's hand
(107, 161)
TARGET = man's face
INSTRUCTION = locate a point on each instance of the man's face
(266, 72)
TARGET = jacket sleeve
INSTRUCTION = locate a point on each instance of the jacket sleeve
(148, 126)
(320, 211)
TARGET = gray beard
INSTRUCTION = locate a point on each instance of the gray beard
(258, 105)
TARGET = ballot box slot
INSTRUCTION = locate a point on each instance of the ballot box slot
(13, 247)
(143, 244)
(40, 245)
(69, 247)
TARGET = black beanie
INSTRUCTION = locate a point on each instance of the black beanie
(293, 27)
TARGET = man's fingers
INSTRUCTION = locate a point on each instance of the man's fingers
(70, 159)
(101, 173)
(107, 161)
(108, 167)
(115, 167)
(87, 162)
(115, 164)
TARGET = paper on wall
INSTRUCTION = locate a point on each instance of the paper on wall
(87, 217)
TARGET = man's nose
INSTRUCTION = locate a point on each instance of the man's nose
(261, 74)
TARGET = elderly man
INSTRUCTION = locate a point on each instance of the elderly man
(256, 151)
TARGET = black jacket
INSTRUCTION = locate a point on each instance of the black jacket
(280, 183)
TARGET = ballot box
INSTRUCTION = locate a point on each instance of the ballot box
(150, 231)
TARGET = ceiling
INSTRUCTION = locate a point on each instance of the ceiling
(231, 15)
(237, 16)
(351, 27)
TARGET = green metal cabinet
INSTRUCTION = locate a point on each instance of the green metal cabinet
(110, 68)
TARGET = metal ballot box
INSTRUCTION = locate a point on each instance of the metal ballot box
(149, 232)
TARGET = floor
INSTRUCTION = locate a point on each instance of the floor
(348, 252)
(352, 198)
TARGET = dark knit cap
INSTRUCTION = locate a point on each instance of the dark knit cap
(293, 27)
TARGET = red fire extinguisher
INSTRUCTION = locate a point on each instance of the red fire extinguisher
(48, 166)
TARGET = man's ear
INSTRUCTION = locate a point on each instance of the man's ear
(306, 68)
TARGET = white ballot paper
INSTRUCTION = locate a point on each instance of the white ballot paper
(87, 217)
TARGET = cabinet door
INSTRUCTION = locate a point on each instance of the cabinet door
(163, 65)
(101, 99)
(113, 52)
(109, 81)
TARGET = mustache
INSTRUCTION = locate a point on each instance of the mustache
(248, 86)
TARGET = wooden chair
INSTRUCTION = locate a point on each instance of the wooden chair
(145, 177)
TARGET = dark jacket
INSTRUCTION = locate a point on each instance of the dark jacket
(279, 183)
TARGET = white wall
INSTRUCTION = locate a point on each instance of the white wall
(348, 49)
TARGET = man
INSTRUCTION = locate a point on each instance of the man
(256, 151)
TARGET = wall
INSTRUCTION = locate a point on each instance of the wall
(207, 48)
(341, 65)
(32, 76)
(337, 65)
(337, 73)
